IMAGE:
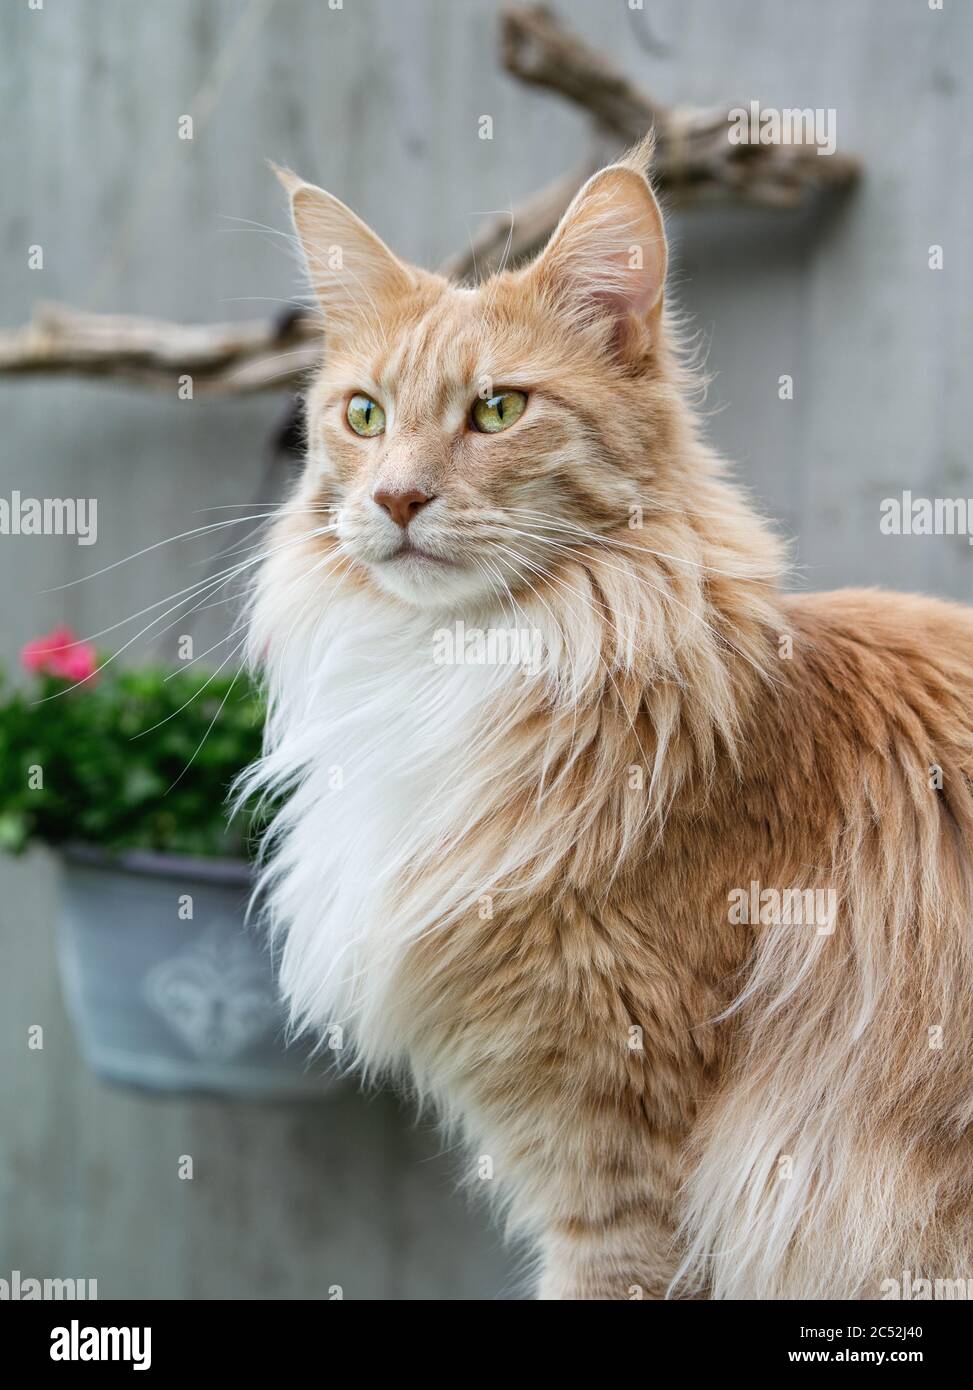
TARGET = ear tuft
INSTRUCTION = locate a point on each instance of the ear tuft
(640, 157)
(290, 181)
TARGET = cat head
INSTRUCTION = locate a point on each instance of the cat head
(469, 437)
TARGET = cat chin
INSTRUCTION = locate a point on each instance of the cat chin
(430, 587)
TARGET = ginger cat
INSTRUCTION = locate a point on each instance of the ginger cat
(572, 899)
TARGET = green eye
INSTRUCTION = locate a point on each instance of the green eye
(365, 417)
(499, 412)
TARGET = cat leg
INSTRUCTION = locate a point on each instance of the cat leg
(629, 1258)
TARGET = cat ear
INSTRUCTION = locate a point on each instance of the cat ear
(608, 254)
(351, 269)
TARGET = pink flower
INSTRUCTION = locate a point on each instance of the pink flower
(60, 654)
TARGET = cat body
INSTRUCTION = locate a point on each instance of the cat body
(547, 892)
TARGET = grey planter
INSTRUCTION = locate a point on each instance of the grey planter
(172, 1003)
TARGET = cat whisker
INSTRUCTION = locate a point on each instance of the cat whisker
(306, 304)
(249, 545)
(249, 224)
(276, 357)
(561, 526)
(237, 627)
(565, 644)
(207, 586)
(282, 508)
(577, 553)
(234, 573)
(156, 545)
(523, 560)
(648, 762)
(185, 594)
(601, 658)
(211, 725)
(332, 558)
(508, 244)
(188, 592)
(557, 523)
(504, 592)
(186, 703)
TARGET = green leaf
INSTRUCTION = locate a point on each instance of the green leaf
(129, 761)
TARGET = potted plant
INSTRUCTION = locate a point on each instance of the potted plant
(124, 773)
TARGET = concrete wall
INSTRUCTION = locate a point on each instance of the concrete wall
(379, 101)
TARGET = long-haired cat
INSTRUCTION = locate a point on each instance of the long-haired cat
(667, 903)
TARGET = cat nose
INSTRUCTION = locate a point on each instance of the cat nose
(401, 506)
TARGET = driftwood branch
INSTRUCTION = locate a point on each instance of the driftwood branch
(695, 160)
(539, 49)
(695, 156)
(221, 358)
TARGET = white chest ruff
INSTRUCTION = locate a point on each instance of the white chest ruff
(391, 756)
